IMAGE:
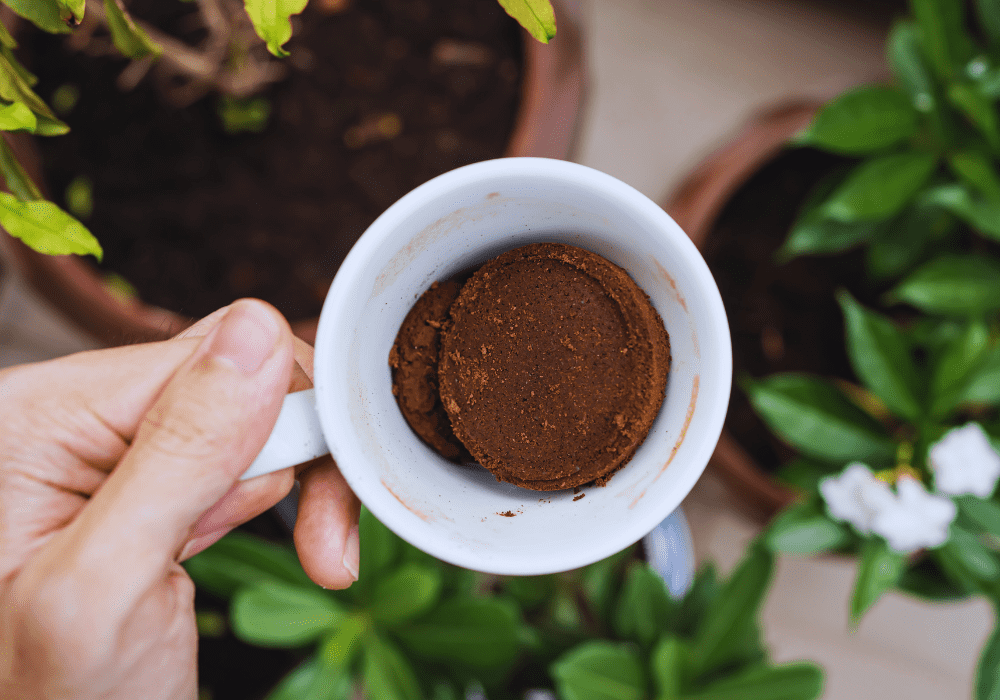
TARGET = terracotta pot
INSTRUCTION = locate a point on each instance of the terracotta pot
(696, 205)
(545, 125)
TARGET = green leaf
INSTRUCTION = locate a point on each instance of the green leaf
(880, 187)
(16, 179)
(71, 10)
(42, 13)
(667, 663)
(536, 16)
(952, 285)
(982, 214)
(988, 670)
(310, 681)
(271, 20)
(480, 633)
(339, 648)
(815, 234)
(988, 12)
(15, 86)
(977, 171)
(27, 76)
(17, 117)
(600, 582)
(879, 569)
(798, 681)
(983, 511)
(530, 591)
(387, 674)
(46, 228)
(239, 560)
(813, 416)
(803, 474)
(6, 40)
(881, 358)
(972, 555)
(927, 581)
(862, 121)
(978, 109)
(904, 240)
(737, 606)
(405, 593)
(956, 365)
(277, 614)
(983, 386)
(599, 670)
(379, 549)
(942, 32)
(803, 528)
(645, 610)
(703, 591)
(129, 38)
(907, 61)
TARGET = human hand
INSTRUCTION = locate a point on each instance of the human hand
(117, 464)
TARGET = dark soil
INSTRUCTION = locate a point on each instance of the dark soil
(783, 318)
(195, 217)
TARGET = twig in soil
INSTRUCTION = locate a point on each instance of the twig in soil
(231, 60)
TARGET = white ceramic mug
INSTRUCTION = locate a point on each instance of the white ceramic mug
(450, 224)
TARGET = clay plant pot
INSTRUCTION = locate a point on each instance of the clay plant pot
(553, 79)
(696, 206)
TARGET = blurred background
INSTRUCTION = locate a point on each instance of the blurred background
(669, 82)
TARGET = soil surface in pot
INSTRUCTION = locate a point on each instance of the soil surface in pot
(783, 317)
(379, 98)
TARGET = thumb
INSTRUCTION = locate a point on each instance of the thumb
(201, 434)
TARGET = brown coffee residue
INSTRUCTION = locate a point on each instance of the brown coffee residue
(577, 498)
(507, 514)
(548, 355)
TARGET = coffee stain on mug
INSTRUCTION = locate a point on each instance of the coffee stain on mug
(696, 384)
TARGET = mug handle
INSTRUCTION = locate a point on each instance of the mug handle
(297, 436)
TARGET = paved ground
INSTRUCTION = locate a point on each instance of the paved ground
(670, 79)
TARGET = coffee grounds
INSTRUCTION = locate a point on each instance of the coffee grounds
(414, 363)
(552, 367)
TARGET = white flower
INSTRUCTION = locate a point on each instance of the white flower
(855, 496)
(915, 519)
(965, 462)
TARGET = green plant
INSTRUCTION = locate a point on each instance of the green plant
(414, 627)
(928, 145)
(901, 468)
(229, 64)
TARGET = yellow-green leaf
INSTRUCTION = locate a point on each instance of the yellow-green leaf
(127, 35)
(71, 10)
(16, 179)
(6, 40)
(46, 228)
(15, 88)
(43, 13)
(271, 20)
(17, 117)
(536, 16)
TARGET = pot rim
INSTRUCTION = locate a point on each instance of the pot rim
(696, 205)
(545, 125)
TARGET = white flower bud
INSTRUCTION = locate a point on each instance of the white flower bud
(964, 462)
(915, 519)
(855, 496)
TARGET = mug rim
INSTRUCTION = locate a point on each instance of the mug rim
(363, 254)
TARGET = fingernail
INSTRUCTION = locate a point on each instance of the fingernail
(245, 337)
(352, 552)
